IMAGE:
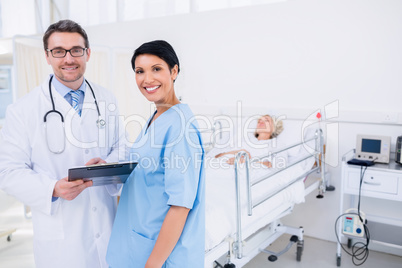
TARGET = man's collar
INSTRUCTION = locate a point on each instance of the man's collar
(64, 90)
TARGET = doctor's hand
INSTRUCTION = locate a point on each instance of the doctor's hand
(70, 189)
(95, 161)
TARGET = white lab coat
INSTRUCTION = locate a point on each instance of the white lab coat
(66, 233)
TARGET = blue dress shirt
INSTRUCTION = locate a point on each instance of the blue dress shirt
(65, 91)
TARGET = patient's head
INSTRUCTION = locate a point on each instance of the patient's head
(268, 127)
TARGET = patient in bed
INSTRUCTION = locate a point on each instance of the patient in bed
(263, 142)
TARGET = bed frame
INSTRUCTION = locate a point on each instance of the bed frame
(248, 243)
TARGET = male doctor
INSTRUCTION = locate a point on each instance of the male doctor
(71, 220)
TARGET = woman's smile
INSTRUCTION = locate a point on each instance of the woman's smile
(152, 89)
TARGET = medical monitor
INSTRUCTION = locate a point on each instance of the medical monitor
(374, 148)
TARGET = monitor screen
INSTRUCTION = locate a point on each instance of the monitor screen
(371, 146)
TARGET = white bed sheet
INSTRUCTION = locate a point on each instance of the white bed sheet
(221, 197)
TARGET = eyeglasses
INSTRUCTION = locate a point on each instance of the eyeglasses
(61, 53)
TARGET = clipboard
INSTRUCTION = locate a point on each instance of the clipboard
(102, 174)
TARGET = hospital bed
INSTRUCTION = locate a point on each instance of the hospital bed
(6, 201)
(244, 206)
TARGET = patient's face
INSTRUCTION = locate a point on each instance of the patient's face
(265, 125)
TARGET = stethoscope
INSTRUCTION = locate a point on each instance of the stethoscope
(101, 123)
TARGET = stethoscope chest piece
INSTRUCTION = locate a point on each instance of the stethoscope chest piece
(101, 123)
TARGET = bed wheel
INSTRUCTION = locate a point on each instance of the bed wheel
(338, 261)
(349, 242)
(294, 238)
(299, 253)
(272, 258)
(229, 265)
(9, 238)
(330, 188)
(299, 249)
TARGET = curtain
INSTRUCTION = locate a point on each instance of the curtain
(98, 66)
(30, 63)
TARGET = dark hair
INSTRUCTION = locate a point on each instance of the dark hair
(64, 26)
(159, 48)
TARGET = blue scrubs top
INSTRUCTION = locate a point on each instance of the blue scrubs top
(170, 172)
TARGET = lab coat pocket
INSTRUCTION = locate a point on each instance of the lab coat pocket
(140, 249)
(48, 227)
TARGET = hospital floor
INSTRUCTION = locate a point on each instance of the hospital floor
(17, 253)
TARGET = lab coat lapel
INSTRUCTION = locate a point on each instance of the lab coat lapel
(90, 117)
(72, 120)
(60, 102)
(88, 107)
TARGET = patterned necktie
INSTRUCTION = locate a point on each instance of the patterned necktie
(75, 97)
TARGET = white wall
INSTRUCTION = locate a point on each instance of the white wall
(314, 51)
(300, 56)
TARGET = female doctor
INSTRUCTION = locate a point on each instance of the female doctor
(44, 136)
(160, 220)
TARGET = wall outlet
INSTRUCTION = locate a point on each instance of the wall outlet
(389, 118)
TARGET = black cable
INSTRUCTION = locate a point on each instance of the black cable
(217, 264)
(360, 251)
(360, 190)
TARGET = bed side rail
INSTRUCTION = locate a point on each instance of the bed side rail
(242, 155)
(237, 245)
(301, 177)
(215, 128)
(280, 170)
(275, 152)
